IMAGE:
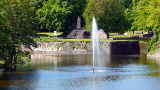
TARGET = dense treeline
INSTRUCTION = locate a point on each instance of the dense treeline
(145, 15)
(61, 15)
(109, 14)
(17, 27)
(20, 19)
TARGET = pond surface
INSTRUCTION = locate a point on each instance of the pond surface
(75, 73)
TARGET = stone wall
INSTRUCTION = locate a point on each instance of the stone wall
(113, 48)
(65, 47)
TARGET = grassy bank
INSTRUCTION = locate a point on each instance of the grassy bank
(2, 62)
(52, 37)
(48, 39)
(154, 43)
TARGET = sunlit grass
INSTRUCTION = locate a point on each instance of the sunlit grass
(49, 39)
(50, 34)
(2, 62)
(129, 34)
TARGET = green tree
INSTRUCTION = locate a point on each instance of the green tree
(78, 7)
(17, 27)
(126, 3)
(53, 14)
(144, 15)
(109, 15)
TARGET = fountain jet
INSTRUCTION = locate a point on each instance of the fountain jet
(95, 43)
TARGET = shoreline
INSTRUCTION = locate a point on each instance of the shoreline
(74, 48)
(155, 55)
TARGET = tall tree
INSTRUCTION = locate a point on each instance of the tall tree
(126, 3)
(145, 15)
(78, 7)
(109, 14)
(17, 27)
(53, 14)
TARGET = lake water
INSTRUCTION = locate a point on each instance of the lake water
(70, 72)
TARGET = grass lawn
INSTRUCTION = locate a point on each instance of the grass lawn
(2, 62)
(50, 34)
(49, 39)
(129, 34)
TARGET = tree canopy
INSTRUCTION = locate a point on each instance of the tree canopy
(109, 14)
(145, 15)
(60, 15)
(53, 14)
(17, 27)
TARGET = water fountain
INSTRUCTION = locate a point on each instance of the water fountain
(95, 43)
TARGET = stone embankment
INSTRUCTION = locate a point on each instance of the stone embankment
(74, 48)
(64, 48)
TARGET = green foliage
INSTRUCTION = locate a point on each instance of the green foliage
(78, 7)
(53, 14)
(126, 3)
(19, 20)
(94, 8)
(145, 15)
(153, 43)
(38, 3)
(17, 27)
(109, 15)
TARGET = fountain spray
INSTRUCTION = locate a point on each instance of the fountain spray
(95, 42)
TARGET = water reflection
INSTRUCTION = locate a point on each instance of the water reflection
(17, 80)
(60, 60)
(72, 72)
